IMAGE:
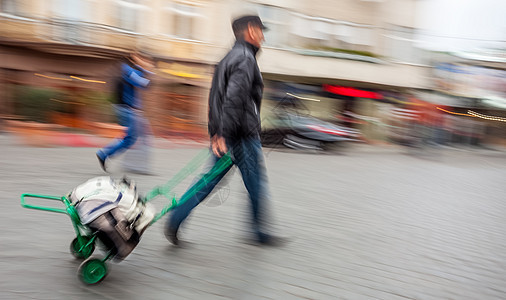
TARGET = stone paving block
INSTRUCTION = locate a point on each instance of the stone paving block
(365, 225)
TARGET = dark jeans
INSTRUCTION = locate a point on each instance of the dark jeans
(247, 155)
(134, 121)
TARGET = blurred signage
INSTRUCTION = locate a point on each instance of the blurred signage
(179, 69)
(470, 81)
(350, 92)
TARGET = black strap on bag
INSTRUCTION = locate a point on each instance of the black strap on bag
(119, 89)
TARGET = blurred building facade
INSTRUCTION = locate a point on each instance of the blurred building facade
(74, 45)
(472, 87)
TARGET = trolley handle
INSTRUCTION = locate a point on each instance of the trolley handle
(52, 209)
(223, 163)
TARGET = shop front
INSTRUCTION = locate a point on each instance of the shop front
(177, 100)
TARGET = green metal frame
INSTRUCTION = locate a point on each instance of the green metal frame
(85, 238)
(69, 208)
(83, 235)
(165, 190)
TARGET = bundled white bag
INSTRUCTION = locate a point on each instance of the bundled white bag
(111, 209)
(99, 195)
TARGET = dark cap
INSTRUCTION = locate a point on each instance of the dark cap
(242, 22)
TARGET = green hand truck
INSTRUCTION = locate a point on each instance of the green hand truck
(94, 270)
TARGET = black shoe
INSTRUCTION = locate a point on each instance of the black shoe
(171, 235)
(102, 163)
(264, 239)
(139, 172)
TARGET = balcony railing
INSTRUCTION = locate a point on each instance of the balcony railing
(66, 31)
(71, 32)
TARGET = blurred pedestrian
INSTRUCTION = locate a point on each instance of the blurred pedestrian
(234, 126)
(134, 76)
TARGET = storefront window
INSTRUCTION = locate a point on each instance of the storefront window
(75, 10)
(182, 104)
(129, 14)
(401, 44)
(276, 19)
(321, 33)
(13, 7)
(181, 20)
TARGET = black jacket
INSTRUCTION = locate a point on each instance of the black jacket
(236, 94)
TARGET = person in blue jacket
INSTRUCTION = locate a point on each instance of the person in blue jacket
(134, 75)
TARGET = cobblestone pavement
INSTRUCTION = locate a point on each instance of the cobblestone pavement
(372, 223)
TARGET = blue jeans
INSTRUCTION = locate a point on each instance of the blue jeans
(247, 155)
(132, 120)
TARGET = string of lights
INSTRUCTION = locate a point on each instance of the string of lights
(87, 80)
(486, 117)
(69, 79)
(453, 113)
(51, 77)
(474, 114)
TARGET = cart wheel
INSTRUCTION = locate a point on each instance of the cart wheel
(92, 271)
(80, 249)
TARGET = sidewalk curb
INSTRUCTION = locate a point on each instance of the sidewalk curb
(62, 139)
(80, 140)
